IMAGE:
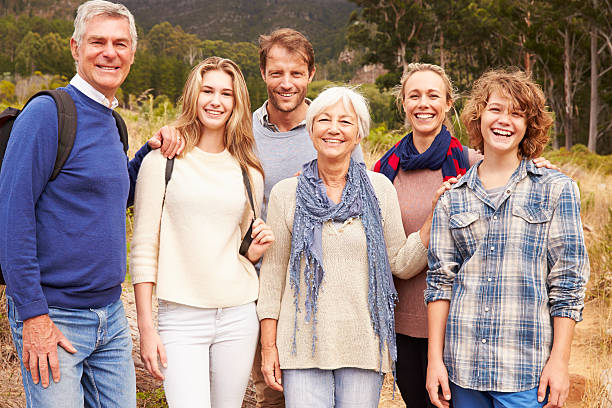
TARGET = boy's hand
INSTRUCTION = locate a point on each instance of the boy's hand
(556, 377)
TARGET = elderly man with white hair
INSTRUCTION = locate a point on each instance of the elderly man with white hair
(326, 294)
(62, 244)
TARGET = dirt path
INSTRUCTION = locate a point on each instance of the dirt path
(584, 362)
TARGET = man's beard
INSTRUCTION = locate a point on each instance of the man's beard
(272, 99)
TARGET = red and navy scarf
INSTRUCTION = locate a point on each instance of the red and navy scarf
(445, 152)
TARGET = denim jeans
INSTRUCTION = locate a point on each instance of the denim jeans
(101, 372)
(465, 397)
(340, 388)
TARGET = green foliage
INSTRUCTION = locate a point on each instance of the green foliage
(579, 155)
(382, 104)
(7, 91)
(152, 399)
(382, 139)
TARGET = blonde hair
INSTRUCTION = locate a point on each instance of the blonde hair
(238, 138)
(414, 67)
(524, 94)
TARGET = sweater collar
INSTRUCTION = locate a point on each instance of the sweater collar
(85, 87)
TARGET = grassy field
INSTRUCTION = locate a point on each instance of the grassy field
(592, 346)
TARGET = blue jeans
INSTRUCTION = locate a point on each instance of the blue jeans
(340, 388)
(465, 397)
(101, 372)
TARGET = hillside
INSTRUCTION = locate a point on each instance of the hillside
(323, 21)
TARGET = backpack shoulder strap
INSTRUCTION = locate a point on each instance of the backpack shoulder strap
(169, 168)
(247, 185)
(123, 133)
(466, 155)
(66, 125)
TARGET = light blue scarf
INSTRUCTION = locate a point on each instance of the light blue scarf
(313, 208)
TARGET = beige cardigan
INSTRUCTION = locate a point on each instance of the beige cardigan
(345, 337)
(189, 248)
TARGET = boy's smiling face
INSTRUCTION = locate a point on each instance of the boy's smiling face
(502, 124)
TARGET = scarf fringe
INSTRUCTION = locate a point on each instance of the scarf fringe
(312, 209)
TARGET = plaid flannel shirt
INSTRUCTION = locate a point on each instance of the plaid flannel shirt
(507, 270)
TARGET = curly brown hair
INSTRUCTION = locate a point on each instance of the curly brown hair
(524, 94)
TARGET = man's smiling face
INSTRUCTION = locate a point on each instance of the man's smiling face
(105, 54)
(287, 78)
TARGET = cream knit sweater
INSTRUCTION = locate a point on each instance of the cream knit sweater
(188, 245)
(345, 337)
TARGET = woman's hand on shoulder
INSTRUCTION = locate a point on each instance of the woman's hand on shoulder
(443, 188)
(543, 162)
(150, 346)
(263, 237)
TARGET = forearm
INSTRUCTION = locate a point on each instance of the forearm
(562, 339)
(425, 231)
(411, 259)
(268, 332)
(143, 293)
(437, 315)
(134, 168)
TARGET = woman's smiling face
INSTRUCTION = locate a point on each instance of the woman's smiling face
(425, 103)
(335, 132)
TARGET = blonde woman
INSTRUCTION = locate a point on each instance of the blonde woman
(186, 243)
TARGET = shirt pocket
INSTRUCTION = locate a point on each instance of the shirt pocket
(467, 230)
(529, 229)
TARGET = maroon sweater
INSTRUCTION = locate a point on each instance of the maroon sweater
(415, 190)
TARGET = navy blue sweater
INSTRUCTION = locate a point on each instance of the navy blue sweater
(62, 242)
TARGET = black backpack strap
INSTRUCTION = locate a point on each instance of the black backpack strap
(169, 168)
(246, 240)
(168, 176)
(247, 185)
(123, 133)
(66, 126)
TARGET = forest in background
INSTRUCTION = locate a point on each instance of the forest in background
(567, 45)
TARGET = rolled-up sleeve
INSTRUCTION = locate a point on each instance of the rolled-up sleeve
(567, 257)
(442, 256)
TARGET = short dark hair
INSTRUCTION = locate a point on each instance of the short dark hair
(292, 40)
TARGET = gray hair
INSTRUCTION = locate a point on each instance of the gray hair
(350, 98)
(93, 8)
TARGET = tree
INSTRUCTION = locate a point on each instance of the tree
(389, 29)
(599, 18)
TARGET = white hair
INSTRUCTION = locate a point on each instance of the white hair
(350, 98)
(93, 8)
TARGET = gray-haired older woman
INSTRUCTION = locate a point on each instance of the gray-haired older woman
(326, 292)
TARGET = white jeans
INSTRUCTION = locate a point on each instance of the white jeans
(210, 353)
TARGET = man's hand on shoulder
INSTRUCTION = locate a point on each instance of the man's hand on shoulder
(40, 340)
(168, 139)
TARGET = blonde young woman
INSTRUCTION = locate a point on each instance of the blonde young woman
(186, 243)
